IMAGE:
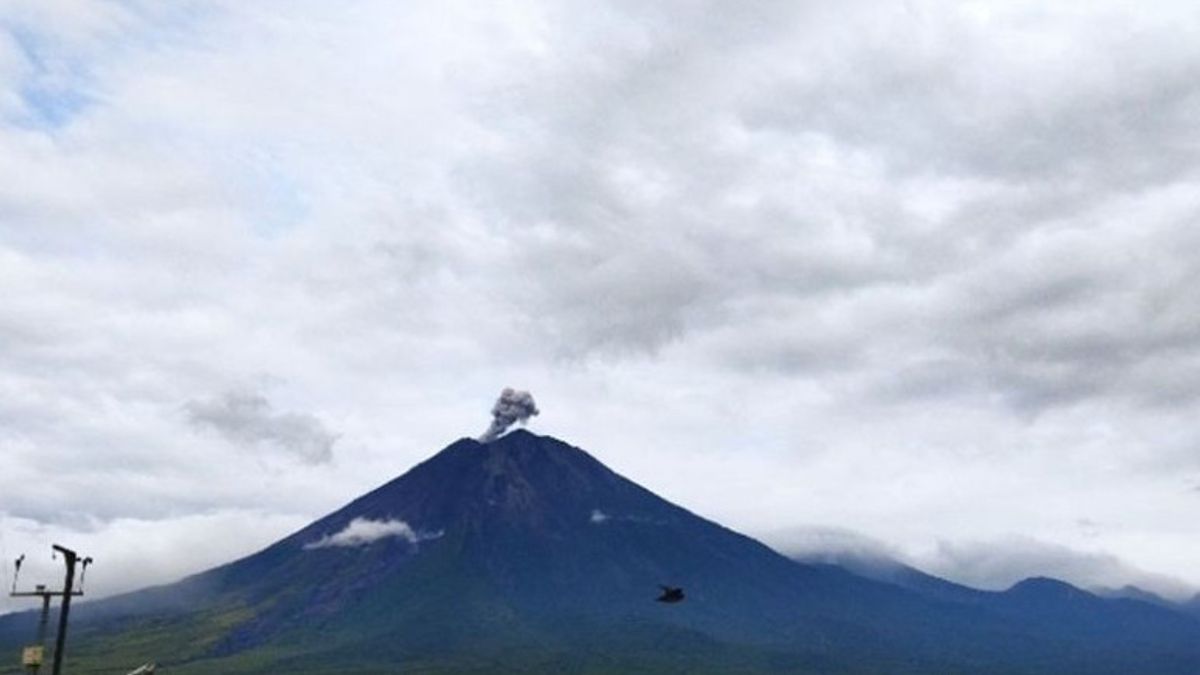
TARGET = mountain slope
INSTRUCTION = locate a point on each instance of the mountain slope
(527, 553)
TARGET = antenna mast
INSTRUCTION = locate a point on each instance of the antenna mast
(34, 655)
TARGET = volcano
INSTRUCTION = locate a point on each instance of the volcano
(526, 554)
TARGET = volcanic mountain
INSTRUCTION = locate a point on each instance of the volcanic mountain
(527, 554)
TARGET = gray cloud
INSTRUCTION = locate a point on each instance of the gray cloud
(1022, 309)
(1107, 110)
(248, 419)
(945, 205)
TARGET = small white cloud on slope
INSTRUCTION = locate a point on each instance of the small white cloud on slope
(363, 531)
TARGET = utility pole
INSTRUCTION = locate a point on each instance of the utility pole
(60, 644)
(34, 655)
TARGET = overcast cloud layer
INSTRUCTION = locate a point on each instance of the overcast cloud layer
(920, 271)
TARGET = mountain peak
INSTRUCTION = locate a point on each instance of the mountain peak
(527, 547)
(1045, 587)
(520, 434)
(520, 479)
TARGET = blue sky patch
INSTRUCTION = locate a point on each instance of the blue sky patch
(54, 93)
(52, 108)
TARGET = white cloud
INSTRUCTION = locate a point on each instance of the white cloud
(1001, 563)
(364, 531)
(830, 545)
(995, 564)
(132, 553)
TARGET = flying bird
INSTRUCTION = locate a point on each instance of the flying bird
(670, 594)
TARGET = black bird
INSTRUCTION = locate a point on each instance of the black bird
(670, 594)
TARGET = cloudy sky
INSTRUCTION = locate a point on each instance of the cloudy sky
(912, 277)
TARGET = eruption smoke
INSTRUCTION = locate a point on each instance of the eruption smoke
(512, 406)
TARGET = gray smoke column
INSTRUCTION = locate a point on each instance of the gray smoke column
(512, 406)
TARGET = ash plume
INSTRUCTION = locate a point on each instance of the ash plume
(512, 406)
